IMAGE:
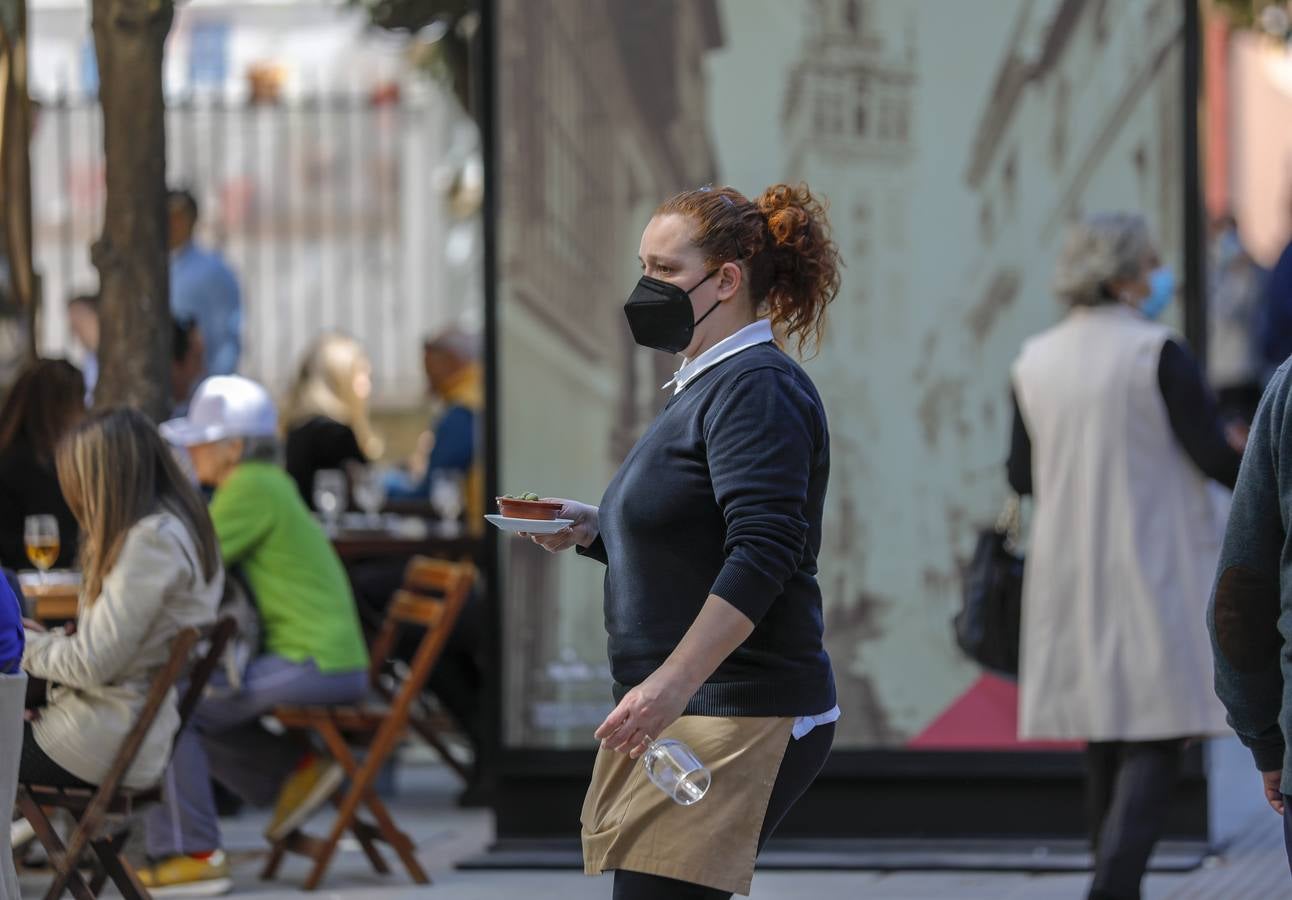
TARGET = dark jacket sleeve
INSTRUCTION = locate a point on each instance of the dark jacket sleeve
(1195, 420)
(1276, 330)
(761, 438)
(1019, 465)
(596, 550)
(1247, 601)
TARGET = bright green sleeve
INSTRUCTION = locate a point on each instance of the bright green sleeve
(241, 517)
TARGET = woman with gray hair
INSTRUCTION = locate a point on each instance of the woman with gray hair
(1116, 435)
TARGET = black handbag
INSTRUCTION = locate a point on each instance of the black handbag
(987, 626)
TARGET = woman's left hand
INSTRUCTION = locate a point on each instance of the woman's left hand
(644, 713)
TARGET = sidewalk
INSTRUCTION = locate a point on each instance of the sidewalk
(1254, 868)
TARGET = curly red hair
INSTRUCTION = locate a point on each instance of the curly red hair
(782, 238)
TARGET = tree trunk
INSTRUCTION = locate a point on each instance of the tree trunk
(18, 290)
(131, 254)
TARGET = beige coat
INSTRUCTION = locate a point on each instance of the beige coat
(1124, 544)
(104, 670)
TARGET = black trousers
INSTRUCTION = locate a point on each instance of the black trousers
(1128, 786)
(35, 766)
(800, 767)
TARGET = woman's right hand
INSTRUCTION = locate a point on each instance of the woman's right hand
(583, 529)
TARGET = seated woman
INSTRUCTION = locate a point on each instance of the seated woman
(151, 568)
(46, 402)
(314, 653)
(327, 417)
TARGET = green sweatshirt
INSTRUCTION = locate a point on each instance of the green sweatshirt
(301, 589)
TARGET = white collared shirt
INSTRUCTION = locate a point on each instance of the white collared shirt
(759, 332)
(753, 334)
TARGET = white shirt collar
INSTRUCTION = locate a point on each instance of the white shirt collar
(751, 335)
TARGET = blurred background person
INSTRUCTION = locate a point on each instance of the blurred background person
(1116, 435)
(151, 568)
(203, 289)
(186, 363)
(327, 412)
(83, 322)
(44, 404)
(1276, 338)
(448, 453)
(1236, 286)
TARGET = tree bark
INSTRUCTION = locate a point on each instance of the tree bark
(131, 253)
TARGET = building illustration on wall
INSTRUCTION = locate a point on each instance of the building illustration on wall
(848, 120)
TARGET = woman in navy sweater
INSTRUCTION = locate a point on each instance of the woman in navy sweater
(710, 533)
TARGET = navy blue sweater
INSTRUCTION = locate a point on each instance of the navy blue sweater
(723, 495)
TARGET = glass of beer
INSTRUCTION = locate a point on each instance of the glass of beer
(40, 535)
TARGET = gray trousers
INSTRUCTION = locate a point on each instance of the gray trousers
(13, 690)
(225, 740)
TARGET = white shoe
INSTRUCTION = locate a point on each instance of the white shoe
(20, 834)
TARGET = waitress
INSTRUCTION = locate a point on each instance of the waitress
(710, 533)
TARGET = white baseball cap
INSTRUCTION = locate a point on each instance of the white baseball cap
(223, 407)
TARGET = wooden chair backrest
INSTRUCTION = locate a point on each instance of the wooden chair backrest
(431, 599)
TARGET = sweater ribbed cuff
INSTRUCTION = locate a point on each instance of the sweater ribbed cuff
(1269, 756)
(747, 589)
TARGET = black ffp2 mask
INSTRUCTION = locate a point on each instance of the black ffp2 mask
(660, 314)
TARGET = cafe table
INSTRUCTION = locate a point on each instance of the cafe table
(357, 538)
(52, 599)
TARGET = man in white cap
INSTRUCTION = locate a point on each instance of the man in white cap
(313, 652)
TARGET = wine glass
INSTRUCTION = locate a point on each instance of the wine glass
(446, 494)
(330, 496)
(40, 536)
(369, 491)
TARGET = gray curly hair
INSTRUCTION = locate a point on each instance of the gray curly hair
(1100, 248)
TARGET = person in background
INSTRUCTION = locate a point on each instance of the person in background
(44, 404)
(327, 412)
(203, 289)
(1116, 435)
(1276, 335)
(314, 653)
(1236, 286)
(1250, 615)
(151, 568)
(456, 381)
(186, 363)
(83, 321)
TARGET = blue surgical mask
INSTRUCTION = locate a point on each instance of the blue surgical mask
(1228, 246)
(1161, 290)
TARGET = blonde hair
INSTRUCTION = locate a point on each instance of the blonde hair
(324, 386)
(114, 469)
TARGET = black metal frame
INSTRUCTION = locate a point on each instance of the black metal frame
(861, 793)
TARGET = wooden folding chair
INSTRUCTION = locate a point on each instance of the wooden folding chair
(433, 595)
(92, 808)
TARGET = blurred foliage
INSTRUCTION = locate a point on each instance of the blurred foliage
(441, 37)
(1249, 13)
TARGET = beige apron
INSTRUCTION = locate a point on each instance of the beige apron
(628, 823)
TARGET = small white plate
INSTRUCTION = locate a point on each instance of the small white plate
(530, 526)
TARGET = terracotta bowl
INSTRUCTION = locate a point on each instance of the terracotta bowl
(528, 509)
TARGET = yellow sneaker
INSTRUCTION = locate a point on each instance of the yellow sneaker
(188, 876)
(305, 791)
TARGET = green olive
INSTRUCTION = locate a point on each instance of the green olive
(531, 496)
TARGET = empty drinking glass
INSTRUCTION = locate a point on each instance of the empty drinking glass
(674, 769)
(330, 495)
(446, 494)
(369, 491)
